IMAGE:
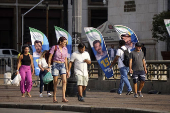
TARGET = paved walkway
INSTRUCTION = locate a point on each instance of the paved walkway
(151, 102)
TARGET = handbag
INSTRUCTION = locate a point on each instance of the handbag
(47, 78)
(16, 80)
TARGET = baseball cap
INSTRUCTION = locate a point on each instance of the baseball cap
(125, 34)
(138, 44)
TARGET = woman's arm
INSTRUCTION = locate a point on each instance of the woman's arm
(66, 63)
(19, 63)
(32, 64)
(49, 60)
(39, 65)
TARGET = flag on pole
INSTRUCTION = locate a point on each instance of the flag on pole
(130, 42)
(39, 44)
(98, 46)
(167, 24)
(61, 32)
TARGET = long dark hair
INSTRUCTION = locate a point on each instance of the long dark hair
(61, 39)
(23, 48)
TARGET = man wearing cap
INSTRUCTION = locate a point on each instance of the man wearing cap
(122, 68)
(137, 66)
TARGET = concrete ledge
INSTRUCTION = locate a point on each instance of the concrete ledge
(107, 85)
(82, 108)
(76, 108)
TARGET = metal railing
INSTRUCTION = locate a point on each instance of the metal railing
(157, 70)
(7, 65)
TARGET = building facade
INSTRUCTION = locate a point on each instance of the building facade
(135, 14)
(10, 20)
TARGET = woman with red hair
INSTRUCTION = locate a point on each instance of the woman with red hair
(59, 66)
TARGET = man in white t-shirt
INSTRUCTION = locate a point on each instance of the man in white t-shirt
(122, 68)
(80, 58)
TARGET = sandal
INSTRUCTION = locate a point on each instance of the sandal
(65, 100)
(23, 95)
(55, 101)
(29, 95)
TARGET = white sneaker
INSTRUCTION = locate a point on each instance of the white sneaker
(49, 94)
(41, 95)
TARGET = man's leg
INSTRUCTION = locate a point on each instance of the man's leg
(135, 87)
(141, 85)
(121, 86)
(142, 81)
(83, 88)
(124, 77)
(80, 89)
(140, 88)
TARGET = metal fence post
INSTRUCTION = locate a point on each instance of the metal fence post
(11, 65)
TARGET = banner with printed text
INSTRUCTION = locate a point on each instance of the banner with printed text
(39, 44)
(97, 44)
(61, 32)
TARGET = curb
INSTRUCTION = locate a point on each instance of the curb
(87, 109)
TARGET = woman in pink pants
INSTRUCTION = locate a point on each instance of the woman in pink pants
(25, 60)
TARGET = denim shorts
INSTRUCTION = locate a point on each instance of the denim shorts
(58, 69)
(138, 75)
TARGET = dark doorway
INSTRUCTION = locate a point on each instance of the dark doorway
(6, 26)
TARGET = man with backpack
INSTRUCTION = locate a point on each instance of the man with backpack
(122, 56)
(137, 66)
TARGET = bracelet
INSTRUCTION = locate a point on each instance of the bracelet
(49, 67)
(17, 70)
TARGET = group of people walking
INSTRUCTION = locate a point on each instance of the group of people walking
(136, 67)
(58, 65)
(58, 55)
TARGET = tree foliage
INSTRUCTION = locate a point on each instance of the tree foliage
(159, 30)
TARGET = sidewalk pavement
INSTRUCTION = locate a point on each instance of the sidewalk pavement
(95, 101)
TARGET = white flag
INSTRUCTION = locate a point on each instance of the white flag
(167, 24)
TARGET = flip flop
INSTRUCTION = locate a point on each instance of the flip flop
(55, 101)
(65, 101)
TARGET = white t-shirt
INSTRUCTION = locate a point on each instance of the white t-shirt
(120, 53)
(112, 52)
(80, 67)
(43, 63)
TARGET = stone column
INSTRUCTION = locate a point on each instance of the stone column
(77, 20)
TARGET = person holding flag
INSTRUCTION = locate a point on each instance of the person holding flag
(123, 69)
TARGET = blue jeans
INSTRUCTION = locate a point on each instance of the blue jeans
(124, 79)
(41, 75)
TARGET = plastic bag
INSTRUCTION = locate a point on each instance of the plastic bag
(47, 78)
(16, 80)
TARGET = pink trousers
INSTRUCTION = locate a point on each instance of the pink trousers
(26, 78)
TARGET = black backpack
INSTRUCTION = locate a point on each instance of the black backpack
(126, 57)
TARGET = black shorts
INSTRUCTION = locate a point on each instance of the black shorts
(138, 75)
